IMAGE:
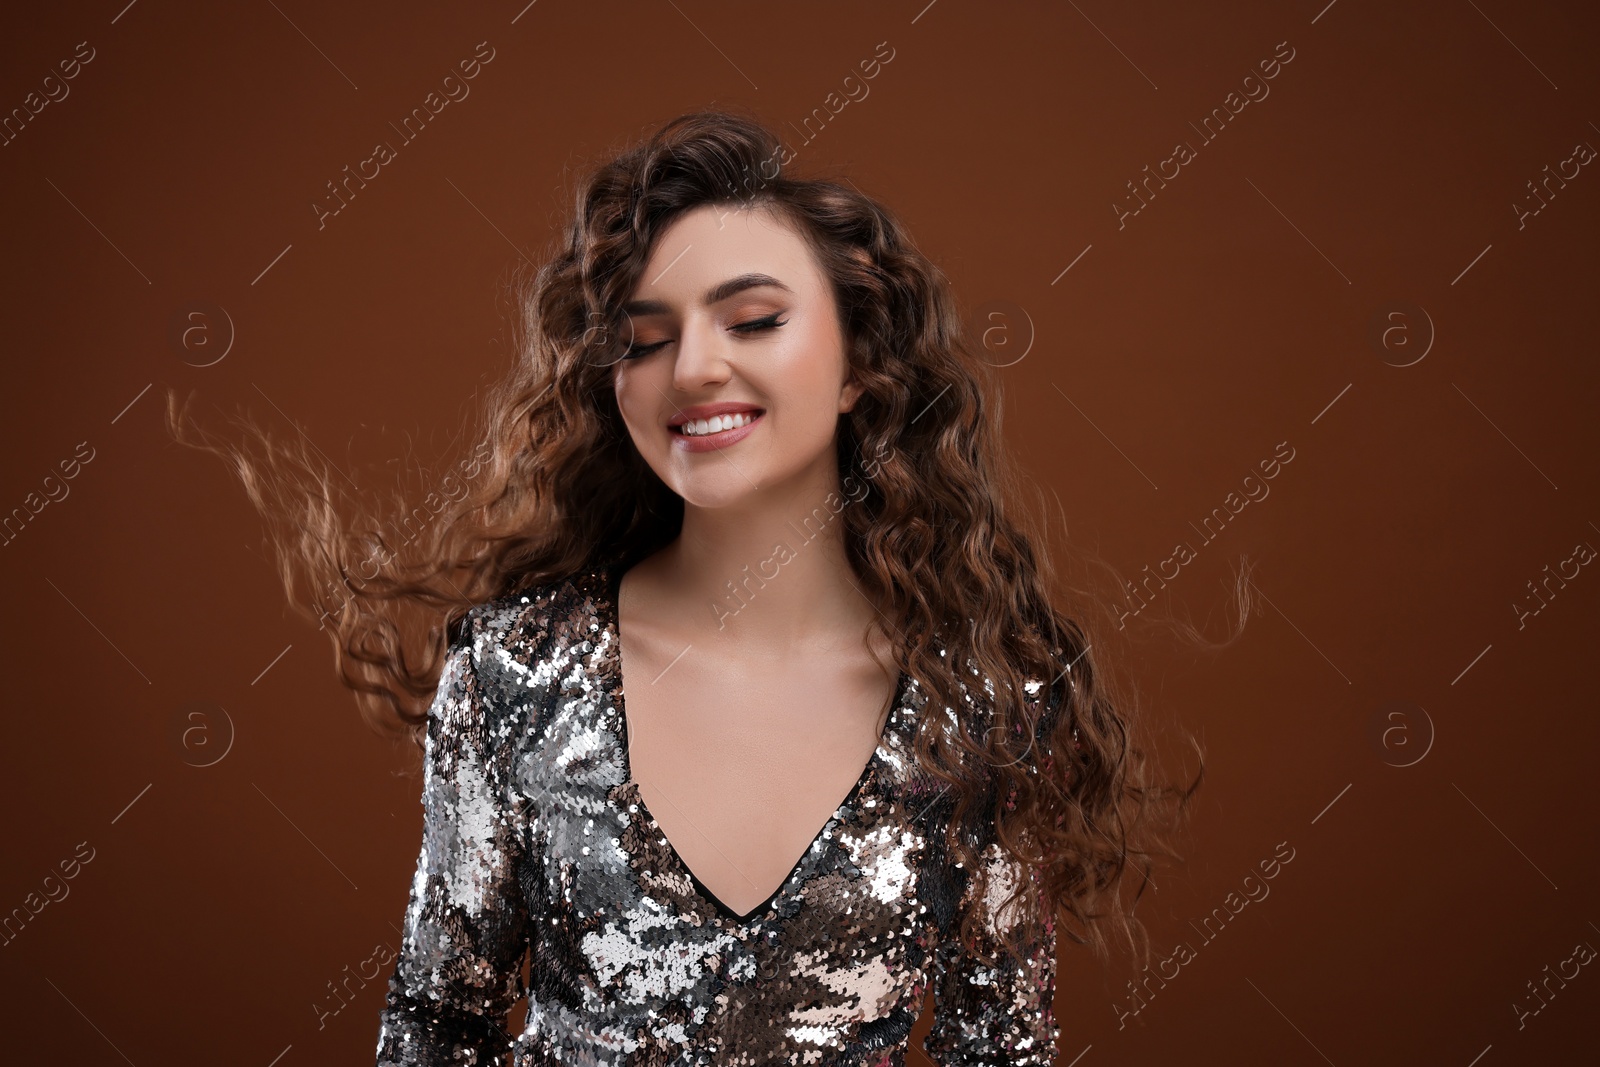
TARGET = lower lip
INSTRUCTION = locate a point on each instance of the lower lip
(712, 442)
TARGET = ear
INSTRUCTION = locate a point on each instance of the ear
(850, 393)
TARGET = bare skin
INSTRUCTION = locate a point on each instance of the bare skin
(742, 752)
(746, 727)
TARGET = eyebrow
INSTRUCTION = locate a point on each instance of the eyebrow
(719, 292)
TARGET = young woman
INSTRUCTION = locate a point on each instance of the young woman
(755, 721)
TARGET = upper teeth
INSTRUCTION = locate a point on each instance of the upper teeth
(717, 423)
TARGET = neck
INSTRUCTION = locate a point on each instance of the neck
(771, 572)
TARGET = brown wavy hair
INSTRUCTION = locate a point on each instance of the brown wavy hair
(1044, 762)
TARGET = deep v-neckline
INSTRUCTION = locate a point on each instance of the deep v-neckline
(611, 620)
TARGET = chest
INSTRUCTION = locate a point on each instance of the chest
(740, 771)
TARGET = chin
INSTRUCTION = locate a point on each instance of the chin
(719, 491)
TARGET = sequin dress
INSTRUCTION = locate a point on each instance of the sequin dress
(538, 851)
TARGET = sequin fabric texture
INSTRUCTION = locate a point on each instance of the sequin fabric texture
(539, 853)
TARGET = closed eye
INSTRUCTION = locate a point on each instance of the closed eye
(770, 322)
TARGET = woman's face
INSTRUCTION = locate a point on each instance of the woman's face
(732, 313)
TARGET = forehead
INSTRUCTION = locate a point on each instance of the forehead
(714, 242)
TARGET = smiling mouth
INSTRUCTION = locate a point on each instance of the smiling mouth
(718, 424)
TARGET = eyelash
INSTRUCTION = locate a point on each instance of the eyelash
(754, 326)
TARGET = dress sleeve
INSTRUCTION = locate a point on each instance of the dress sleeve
(466, 923)
(1002, 1014)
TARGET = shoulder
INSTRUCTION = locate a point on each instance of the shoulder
(530, 618)
(523, 644)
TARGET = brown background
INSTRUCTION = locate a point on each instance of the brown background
(1231, 314)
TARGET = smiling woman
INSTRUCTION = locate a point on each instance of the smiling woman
(761, 836)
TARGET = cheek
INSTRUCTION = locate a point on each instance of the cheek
(626, 386)
(808, 380)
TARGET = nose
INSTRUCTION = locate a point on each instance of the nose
(701, 357)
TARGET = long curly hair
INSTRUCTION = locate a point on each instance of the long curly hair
(1042, 761)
